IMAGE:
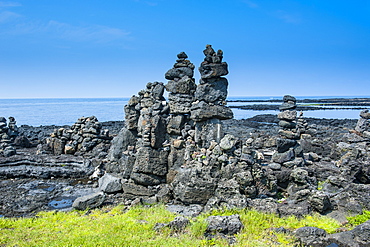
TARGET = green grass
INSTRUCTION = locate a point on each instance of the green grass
(359, 219)
(119, 227)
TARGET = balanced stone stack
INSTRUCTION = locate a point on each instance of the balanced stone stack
(12, 128)
(177, 151)
(7, 135)
(210, 98)
(363, 124)
(302, 124)
(289, 152)
(82, 137)
(180, 129)
(181, 86)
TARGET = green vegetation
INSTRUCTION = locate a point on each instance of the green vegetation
(134, 227)
(359, 219)
(320, 184)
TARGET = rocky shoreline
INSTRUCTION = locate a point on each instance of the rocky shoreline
(190, 154)
(307, 104)
(31, 183)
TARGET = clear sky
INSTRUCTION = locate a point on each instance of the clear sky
(112, 48)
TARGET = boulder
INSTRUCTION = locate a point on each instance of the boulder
(194, 184)
(283, 157)
(289, 115)
(192, 210)
(225, 225)
(136, 190)
(212, 70)
(179, 223)
(284, 145)
(310, 236)
(175, 124)
(287, 106)
(151, 161)
(120, 143)
(177, 73)
(320, 202)
(9, 151)
(110, 184)
(185, 85)
(206, 132)
(89, 201)
(203, 111)
(228, 142)
(214, 91)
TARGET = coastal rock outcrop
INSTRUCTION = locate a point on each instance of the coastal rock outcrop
(187, 152)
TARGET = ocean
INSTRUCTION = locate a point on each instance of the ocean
(66, 111)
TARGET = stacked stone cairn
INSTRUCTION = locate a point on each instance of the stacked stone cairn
(177, 152)
(210, 98)
(302, 124)
(289, 152)
(7, 135)
(181, 88)
(363, 124)
(180, 128)
(147, 116)
(81, 138)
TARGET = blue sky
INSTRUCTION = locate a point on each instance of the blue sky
(112, 48)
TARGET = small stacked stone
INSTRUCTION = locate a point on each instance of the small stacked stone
(181, 86)
(211, 92)
(12, 128)
(82, 137)
(6, 136)
(302, 124)
(287, 146)
(363, 124)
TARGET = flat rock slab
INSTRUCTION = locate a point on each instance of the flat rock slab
(29, 165)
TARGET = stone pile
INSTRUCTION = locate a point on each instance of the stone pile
(177, 151)
(289, 152)
(82, 137)
(210, 95)
(7, 135)
(181, 86)
(363, 124)
(148, 166)
(302, 124)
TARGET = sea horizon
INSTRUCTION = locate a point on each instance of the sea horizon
(66, 111)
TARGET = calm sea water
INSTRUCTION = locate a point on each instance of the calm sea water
(38, 112)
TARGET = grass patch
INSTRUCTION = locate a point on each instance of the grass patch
(119, 227)
(359, 219)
